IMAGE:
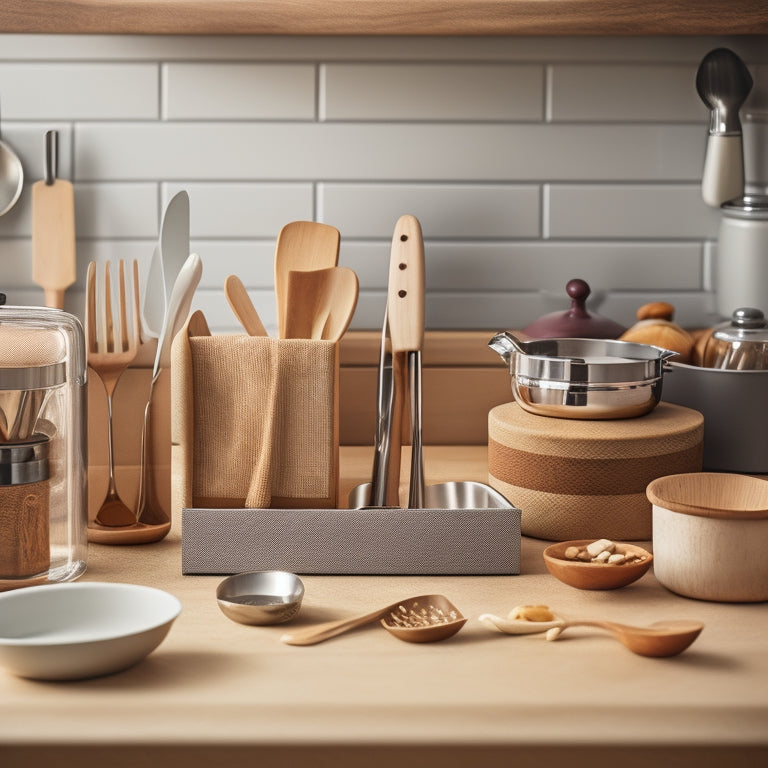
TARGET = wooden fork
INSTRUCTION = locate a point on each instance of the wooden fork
(109, 354)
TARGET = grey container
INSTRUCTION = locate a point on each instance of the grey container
(735, 409)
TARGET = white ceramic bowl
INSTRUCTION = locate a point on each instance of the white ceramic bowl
(710, 535)
(75, 631)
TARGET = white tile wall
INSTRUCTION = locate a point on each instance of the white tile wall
(528, 161)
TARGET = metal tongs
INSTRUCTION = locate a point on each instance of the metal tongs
(401, 341)
(404, 328)
(405, 305)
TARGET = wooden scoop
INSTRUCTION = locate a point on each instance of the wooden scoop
(420, 619)
(53, 229)
(321, 303)
(301, 245)
(664, 638)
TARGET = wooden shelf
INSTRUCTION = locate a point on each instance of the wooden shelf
(386, 17)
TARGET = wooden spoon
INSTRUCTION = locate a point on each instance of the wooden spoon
(416, 620)
(242, 306)
(664, 638)
(302, 245)
(321, 303)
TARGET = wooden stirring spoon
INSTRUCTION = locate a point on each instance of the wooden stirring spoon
(664, 638)
(302, 245)
(321, 303)
(417, 620)
(242, 306)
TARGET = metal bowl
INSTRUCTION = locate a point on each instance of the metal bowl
(583, 378)
(260, 597)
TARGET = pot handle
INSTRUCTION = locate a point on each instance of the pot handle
(505, 343)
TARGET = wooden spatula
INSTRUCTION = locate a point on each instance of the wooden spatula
(302, 245)
(321, 303)
(53, 229)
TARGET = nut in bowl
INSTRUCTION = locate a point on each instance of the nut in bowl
(580, 563)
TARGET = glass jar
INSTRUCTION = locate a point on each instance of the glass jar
(43, 441)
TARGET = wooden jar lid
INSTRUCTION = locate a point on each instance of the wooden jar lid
(575, 478)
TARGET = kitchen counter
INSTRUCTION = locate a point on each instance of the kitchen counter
(386, 17)
(219, 691)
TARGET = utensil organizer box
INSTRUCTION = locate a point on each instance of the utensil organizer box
(387, 541)
(581, 479)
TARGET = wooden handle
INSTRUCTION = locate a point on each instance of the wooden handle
(330, 629)
(406, 286)
(242, 306)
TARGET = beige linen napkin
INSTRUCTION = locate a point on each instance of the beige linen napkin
(260, 419)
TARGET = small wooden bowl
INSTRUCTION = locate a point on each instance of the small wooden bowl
(581, 575)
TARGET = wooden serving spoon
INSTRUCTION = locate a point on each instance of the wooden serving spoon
(242, 306)
(664, 638)
(321, 303)
(302, 245)
(422, 619)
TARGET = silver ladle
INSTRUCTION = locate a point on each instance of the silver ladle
(723, 82)
(11, 177)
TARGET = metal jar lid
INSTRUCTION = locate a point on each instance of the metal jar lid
(741, 344)
(747, 207)
(24, 462)
(33, 377)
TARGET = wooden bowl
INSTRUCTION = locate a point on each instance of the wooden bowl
(585, 575)
(710, 535)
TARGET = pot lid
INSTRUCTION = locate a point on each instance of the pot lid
(575, 322)
(746, 324)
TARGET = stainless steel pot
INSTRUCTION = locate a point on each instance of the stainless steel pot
(583, 378)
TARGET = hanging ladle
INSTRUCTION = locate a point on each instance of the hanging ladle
(723, 82)
(11, 177)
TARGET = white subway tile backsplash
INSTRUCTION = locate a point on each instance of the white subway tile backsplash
(473, 92)
(388, 152)
(538, 266)
(238, 210)
(625, 93)
(116, 210)
(239, 91)
(456, 211)
(652, 211)
(528, 160)
(252, 261)
(79, 91)
(16, 269)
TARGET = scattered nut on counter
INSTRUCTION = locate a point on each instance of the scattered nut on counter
(602, 551)
(532, 613)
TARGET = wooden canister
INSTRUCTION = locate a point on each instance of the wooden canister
(580, 479)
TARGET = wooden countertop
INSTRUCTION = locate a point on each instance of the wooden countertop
(386, 17)
(216, 692)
